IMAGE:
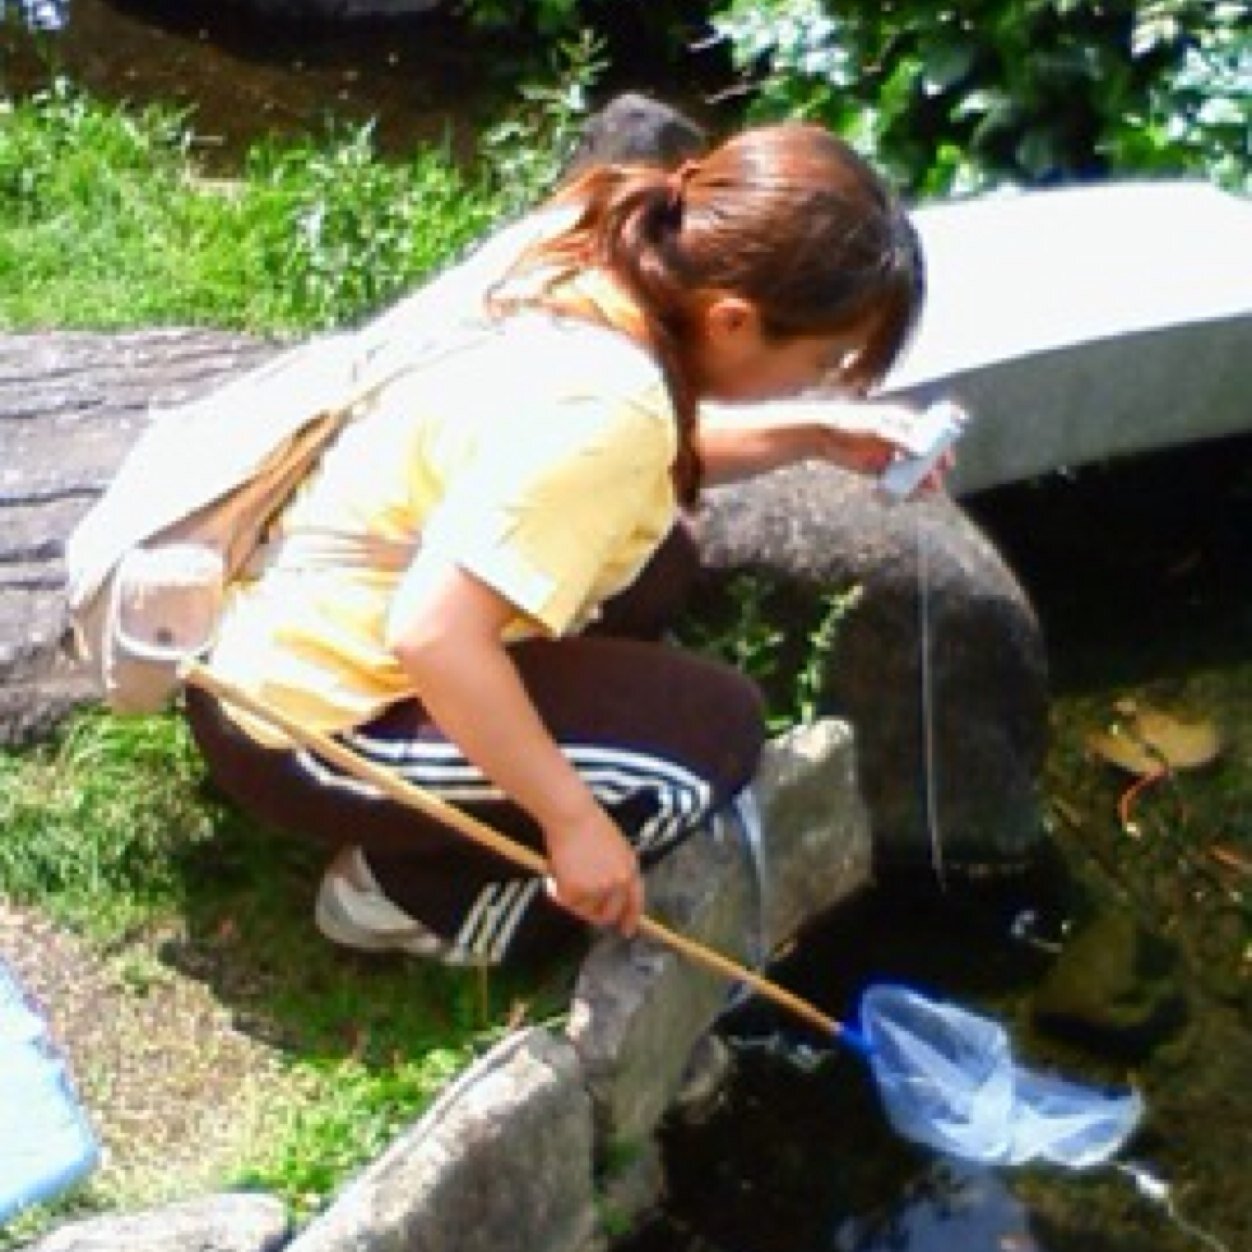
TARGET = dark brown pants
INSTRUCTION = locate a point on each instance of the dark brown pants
(663, 738)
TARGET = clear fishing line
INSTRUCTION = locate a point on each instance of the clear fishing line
(924, 630)
(1157, 1191)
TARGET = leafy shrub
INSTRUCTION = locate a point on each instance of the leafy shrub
(61, 150)
(955, 97)
(334, 231)
(525, 152)
(1198, 113)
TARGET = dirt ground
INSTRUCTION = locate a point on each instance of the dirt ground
(169, 1081)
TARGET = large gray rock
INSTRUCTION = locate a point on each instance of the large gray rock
(71, 404)
(216, 1223)
(817, 847)
(1083, 323)
(949, 751)
(502, 1161)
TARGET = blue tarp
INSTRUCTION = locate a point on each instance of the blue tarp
(46, 1143)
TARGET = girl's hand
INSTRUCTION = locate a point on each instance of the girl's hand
(739, 442)
(445, 631)
(934, 481)
(594, 871)
(868, 436)
(863, 452)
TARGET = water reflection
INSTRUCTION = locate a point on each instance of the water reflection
(951, 1206)
(38, 14)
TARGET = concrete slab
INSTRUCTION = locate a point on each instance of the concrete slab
(1084, 323)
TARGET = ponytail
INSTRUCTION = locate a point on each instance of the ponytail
(787, 216)
(628, 221)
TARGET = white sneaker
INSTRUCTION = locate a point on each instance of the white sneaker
(352, 911)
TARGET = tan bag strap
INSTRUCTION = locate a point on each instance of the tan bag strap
(328, 549)
(325, 548)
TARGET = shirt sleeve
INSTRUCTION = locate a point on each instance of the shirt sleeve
(539, 520)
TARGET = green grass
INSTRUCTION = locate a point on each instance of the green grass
(113, 830)
(105, 222)
(75, 838)
(739, 624)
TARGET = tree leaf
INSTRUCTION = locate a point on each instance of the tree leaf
(945, 63)
(1150, 740)
(1184, 745)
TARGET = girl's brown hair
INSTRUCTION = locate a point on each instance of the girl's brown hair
(787, 216)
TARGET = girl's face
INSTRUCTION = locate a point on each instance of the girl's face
(738, 363)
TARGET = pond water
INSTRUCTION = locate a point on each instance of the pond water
(1140, 920)
(419, 79)
(424, 78)
(1142, 575)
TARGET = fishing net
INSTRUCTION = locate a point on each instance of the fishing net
(946, 1076)
(948, 1080)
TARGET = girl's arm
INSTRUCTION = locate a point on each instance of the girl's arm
(446, 632)
(741, 441)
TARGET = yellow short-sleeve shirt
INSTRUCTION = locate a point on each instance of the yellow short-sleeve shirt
(536, 457)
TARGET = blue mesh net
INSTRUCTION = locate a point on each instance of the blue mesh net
(948, 1080)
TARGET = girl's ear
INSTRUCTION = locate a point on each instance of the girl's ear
(731, 322)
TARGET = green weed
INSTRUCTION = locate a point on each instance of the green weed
(105, 222)
(526, 152)
(334, 233)
(92, 820)
(345, 1116)
(952, 99)
(113, 830)
(739, 622)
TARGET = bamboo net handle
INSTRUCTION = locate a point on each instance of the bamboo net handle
(414, 797)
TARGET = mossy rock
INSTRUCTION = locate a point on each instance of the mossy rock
(1113, 988)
